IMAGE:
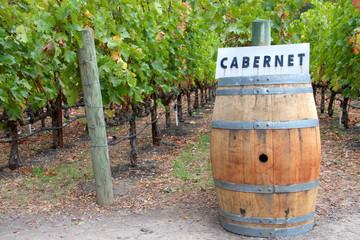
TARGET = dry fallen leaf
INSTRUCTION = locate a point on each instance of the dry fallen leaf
(160, 35)
(48, 47)
(117, 39)
(49, 172)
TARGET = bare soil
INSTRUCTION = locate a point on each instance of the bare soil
(150, 202)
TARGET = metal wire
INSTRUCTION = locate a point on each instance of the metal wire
(42, 130)
(112, 142)
(114, 138)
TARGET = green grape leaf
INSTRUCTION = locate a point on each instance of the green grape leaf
(70, 56)
(21, 34)
(124, 33)
(158, 8)
(7, 59)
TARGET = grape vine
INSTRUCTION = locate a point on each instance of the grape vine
(153, 52)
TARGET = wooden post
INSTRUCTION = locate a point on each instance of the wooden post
(95, 119)
(261, 33)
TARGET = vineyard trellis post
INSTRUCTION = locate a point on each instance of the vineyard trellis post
(95, 119)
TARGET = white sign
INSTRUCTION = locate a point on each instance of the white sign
(263, 60)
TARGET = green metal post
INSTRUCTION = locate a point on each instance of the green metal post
(95, 119)
(261, 33)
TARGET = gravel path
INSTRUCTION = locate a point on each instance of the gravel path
(174, 223)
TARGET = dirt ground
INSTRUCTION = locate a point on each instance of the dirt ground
(150, 203)
(171, 223)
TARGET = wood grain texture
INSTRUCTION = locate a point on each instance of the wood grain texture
(292, 155)
(276, 107)
(95, 119)
(276, 205)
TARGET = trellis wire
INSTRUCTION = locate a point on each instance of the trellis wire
(42, 130)
(110, 143)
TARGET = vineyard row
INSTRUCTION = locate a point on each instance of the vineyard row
(115, 116)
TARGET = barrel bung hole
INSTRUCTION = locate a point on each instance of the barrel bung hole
(263, 158)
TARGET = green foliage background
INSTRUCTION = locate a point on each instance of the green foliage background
(149, 46)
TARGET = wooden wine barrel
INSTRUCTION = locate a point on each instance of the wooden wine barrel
(265, 154)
